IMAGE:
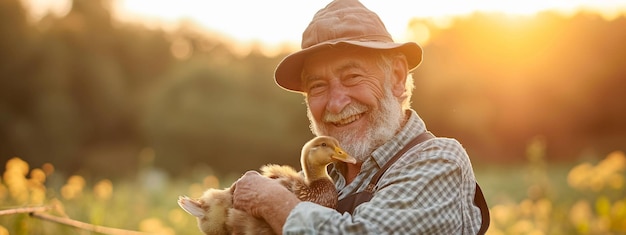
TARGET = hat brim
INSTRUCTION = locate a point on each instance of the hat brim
(288, 72)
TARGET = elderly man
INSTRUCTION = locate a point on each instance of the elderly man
(357, 85)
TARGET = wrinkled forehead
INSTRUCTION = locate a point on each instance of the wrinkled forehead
(338, 58)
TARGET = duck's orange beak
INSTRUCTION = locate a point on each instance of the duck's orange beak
(341, 155)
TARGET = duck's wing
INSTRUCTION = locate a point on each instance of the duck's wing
(322, 192)
(286, 175)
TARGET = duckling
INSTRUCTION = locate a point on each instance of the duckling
(316, 185)
(216, 215)
(214, 209)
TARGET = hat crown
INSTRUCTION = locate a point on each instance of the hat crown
(344, 20)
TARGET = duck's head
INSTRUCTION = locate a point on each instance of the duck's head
(323, 150)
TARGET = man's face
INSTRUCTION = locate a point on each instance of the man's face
(349, 97)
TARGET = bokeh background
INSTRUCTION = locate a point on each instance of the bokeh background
(538, 101)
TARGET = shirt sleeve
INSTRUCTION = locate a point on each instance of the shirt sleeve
(419, 195)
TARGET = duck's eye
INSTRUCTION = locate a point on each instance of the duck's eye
(323, 144)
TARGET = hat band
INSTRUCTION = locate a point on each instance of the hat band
(365, 38)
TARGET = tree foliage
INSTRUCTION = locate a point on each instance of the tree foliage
(88, 93)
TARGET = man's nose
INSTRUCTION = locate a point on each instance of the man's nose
(339, 97)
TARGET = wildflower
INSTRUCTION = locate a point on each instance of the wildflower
(211, 181)
(103, 189)
(580, 215)
(73, 188)
(15, 179)
(155, 226)
(3, 230)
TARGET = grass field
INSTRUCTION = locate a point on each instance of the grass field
(532, 198)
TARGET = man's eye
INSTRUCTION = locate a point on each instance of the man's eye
(317, 87)
(352, 79)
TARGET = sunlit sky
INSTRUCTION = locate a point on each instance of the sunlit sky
(276, 21)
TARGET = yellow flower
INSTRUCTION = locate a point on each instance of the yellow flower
(73, 188)
(522, 226)
(3, 230)
(543, 209)
(103, 189)
(502, 214)
(577, 176)
(580, 215)
(603, 206)
(36, 186)
(18, 164)
(614, 162)
(38, 176)
(15, 179)
(211, 181)
(155, 226)
(37, 196)
(178, 217)
(607, 173)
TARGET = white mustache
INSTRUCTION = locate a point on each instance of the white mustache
(351, 110)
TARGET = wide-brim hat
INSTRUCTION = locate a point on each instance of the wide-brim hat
(341, 22)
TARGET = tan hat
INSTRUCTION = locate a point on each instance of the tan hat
(341, 22)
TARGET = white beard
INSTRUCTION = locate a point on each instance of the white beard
(384, 123)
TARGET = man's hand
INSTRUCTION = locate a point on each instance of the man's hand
(265, 198)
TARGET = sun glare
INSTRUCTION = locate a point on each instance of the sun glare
(276, 22)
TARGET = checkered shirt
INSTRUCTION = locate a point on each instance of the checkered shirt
(429, 190)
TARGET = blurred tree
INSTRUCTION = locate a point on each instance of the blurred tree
(87, 92)
(498, 81)
(16, 95)
(212, 110)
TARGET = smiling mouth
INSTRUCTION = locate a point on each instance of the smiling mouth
(348, 120)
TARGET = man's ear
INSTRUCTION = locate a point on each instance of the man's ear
(399, 73)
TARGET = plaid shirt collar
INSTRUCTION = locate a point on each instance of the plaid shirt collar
(413, 127)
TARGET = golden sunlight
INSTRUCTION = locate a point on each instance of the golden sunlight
(275, 22)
